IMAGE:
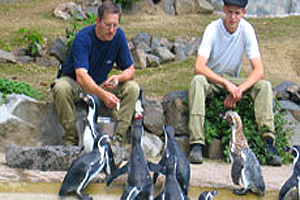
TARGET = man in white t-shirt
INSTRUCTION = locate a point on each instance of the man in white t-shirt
(218, 67)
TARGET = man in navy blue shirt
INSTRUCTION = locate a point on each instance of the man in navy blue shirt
(92, 56)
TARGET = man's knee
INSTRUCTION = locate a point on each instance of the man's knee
(199, 79)
(61, 88)
(264, 85)
(132, 89)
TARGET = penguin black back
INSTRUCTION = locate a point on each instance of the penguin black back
(139, 183)
(83, 170)
(294, 180)
(171, 189)
(183, 165)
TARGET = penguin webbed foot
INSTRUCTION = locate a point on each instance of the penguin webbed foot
(241, 191)
(85, 197)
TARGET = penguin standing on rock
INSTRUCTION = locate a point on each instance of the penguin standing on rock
(245, 166)
(207, 195)
(90, 132)
(294, 181)
(85, 168)
(171, 189)
(172, 148)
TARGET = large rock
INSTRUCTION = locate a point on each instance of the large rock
(19, 119)
(154, 116)
(6, 57)
(176, 111)
(48, 158)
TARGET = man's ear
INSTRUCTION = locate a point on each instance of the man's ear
(244, 11)
(97, 20)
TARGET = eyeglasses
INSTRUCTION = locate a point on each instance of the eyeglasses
(109, 26)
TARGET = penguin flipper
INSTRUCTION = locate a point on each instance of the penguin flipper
(236, 169)
(111, 167)
(156, 168)
(75, 175)
(119, 172)
(287, 186)
(161, 163)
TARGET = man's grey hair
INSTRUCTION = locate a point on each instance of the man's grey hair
(107, 7)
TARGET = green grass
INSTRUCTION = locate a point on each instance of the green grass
(272, 33)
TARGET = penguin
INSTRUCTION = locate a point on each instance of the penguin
(171, 147)
(85, 168)
(245, 165)
(207, 195)
(90, 132)
(294, 180)
(171, 189)
(139, 184)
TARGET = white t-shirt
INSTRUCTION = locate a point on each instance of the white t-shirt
(224, 50)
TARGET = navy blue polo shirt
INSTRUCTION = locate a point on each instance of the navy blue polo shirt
(98, 57)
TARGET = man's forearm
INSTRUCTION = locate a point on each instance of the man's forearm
(127, 74)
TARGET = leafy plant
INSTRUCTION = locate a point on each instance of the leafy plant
(77, 23)
(215, 127)
(32, 39)
(8, 87)
(4, 46)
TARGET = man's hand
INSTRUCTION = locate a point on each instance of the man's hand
(235, 95)
(230, 102)
(110, 100)
(112, 82)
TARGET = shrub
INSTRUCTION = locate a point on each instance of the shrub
(216, 127)
(18, 87)
(31, 39)
(5, 46)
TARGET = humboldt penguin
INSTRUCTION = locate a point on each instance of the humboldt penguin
(86, 167)
(294, 181)
(245, 166)
(171, 189)
(90, 132)
(139, 184)
(171, 147)
(207, 195)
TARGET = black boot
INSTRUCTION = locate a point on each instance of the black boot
(273, 160)
(195, 155)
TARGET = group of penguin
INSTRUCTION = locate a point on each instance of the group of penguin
(99, 157)
(174, 165)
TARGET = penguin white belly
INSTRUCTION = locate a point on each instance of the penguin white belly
(88, 140)
(245, 181)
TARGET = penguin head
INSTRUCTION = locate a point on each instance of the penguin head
(101, 140)
(232, 118)
(92, 102)
(207, 195)
(295, 151)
